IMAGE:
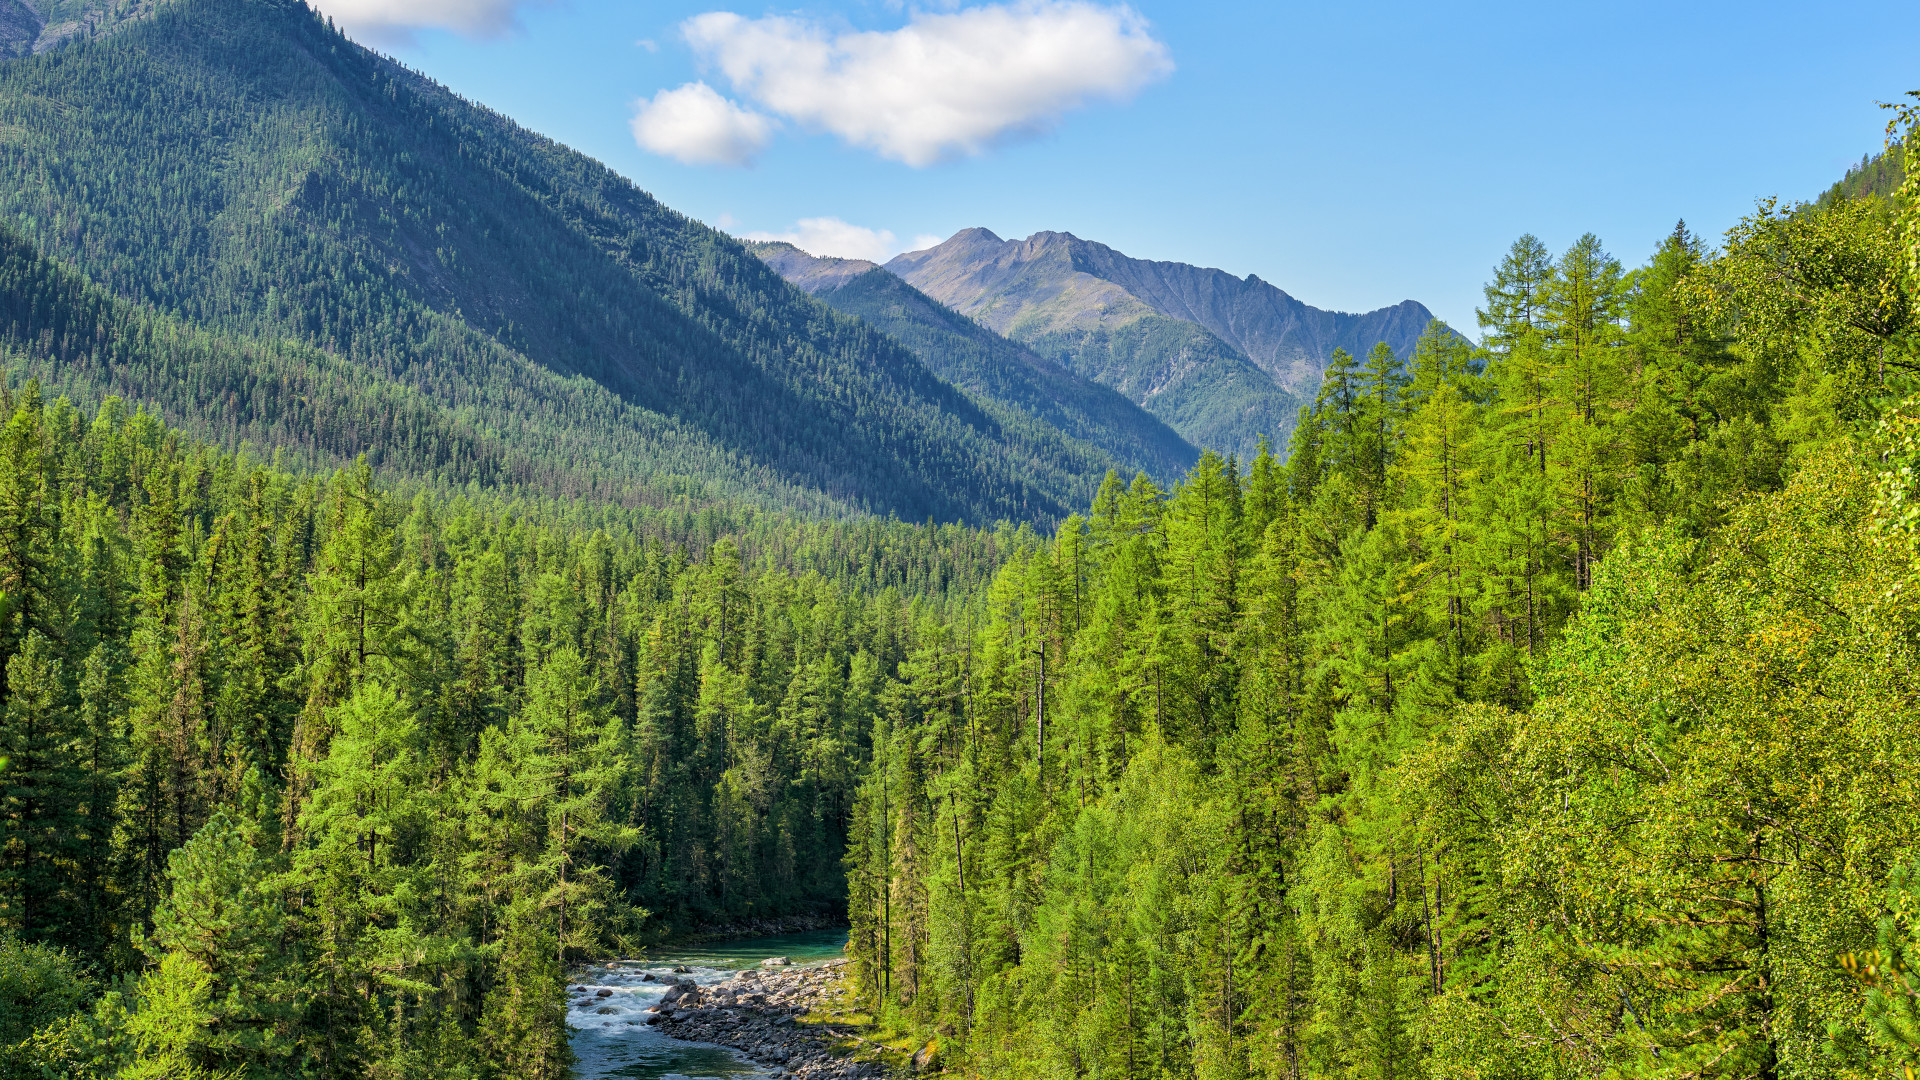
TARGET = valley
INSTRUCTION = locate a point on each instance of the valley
(462, 618)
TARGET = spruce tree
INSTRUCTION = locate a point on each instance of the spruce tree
(41, 792)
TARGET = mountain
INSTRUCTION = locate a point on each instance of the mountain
(987, 365)
(239, 172)
(1220, 358)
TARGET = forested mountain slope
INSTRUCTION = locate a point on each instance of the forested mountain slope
(315, 408)
(983, 363)
(240, 167)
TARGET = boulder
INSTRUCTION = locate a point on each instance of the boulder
(927, 1058)
(777, 961)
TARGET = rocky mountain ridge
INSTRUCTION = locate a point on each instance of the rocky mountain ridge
(1055, 281)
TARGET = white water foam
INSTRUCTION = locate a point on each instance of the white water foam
(614, 1040)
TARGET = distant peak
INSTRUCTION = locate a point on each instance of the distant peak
(975, 235)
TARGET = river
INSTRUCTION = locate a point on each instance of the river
(611, 1037)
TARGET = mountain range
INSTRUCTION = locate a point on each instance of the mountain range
(238, 173)
(1223, 359)
(271, 235)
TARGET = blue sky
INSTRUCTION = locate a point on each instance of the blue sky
(1353, 154)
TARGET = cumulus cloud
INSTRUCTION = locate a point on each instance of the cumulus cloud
(946, 84)
(391, 20)
(829, 236)
(694, 124)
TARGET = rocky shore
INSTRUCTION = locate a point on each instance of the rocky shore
(781, 1017)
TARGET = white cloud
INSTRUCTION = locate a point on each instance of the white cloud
(829, 236)
(696, 125)
(396, 20)
(946, 84)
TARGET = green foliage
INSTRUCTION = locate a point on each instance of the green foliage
(1888, 972)
(1550, 712)
(40, 986)
(1545, 715)
(1188, 378)
(524, 1030)
(337, 784)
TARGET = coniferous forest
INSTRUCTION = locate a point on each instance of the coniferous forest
(380, 640)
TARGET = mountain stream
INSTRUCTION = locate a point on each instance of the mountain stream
(611, 1037)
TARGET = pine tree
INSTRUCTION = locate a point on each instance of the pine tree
(575, 751)
(1586, 300)
(352, 614)
(524, 1028)
(25, 529)
(219, 942)
(40, 794)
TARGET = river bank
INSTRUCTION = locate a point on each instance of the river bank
(791, 1021)
(794, 1021)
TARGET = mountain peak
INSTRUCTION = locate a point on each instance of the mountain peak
(975, 235)
(1053, 281)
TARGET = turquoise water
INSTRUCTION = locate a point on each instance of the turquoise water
(611, 1038)
(813, 947)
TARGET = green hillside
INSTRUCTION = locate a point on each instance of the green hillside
(239, 166)
(987, 365)
(315, 408)
(1185, 376)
